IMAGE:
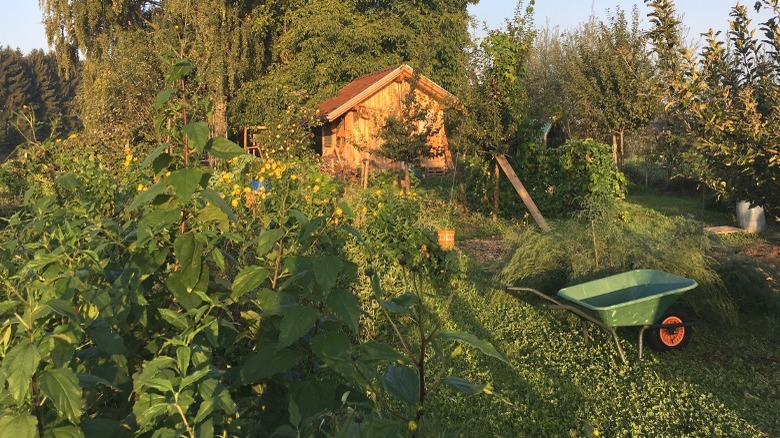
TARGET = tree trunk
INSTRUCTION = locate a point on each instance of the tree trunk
(622, 150)
(496, 181)
(219, 118)
(614, 149)
(407, 181)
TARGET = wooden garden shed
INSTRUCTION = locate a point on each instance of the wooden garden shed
(354, 117)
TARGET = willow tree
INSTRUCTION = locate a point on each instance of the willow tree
(321, 45)
(219, 36)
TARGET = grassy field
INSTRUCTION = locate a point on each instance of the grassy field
(679, 205)
(726, 383)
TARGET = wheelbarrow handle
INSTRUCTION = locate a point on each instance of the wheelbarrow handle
(559, 305)
(535, 292)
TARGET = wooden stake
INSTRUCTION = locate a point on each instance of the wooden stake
(529, 203)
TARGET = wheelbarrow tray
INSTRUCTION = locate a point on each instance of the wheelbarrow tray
(633, 298)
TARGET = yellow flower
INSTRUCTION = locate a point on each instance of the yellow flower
(339, 212)
(236, 187)
(378, 192)
(364, 210)
(226, 177)
(247, 190)
(293, 177)
(140, 188)
(279, 126)
(168, 173)
(596, 433)
(379, 205)
(412, 425)
(234, 202)
(72, 136)
(315, 189)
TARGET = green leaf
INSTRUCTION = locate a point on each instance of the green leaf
(267, 239)
(185, 182)
(184, 294)
(146, 196)
(150, 371)
(462, 385)
(184, 247)
(296, 322)
(106, 340)
(407, 299)
(183, 354)
(217, 200)
(402, 383)
(469, 339)
(218, 258)
(62, 387)
(332, 347)
(194, 377)
(373, 351)
(248, 278)
(335, 350)
(7, 306)
(266, 363)
(175, 319)
(375, 285)
(154, 154)
(395, 308)
(88, 381)
(272, 302)
(326, 272)
(18, 426)
(224, 148)
(19, 366)
(163, 97)
(69, 181)
(178, 71)
(148, 407)
(198, 134)
(345, 306)
(67, 432)
(213, 214)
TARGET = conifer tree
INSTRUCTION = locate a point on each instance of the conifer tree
(15, 90)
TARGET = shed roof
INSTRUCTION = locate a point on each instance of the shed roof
(364, 87)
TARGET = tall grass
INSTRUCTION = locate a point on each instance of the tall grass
(629, 237)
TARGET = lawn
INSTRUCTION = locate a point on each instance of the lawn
(725, 383)
(679, 204)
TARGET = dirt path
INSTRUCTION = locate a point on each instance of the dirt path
(767, 257)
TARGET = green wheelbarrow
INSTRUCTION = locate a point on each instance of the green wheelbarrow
(642, 297)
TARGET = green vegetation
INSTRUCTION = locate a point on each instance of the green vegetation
(157, 281)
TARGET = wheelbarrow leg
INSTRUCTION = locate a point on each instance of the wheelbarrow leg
(641, 337)
(584, 331)
(617, 344)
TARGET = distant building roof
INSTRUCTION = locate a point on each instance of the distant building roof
(365, 86)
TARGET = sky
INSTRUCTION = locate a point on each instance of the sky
(21, 27)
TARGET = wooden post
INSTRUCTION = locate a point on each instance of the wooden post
(366, 164)
(529, 203)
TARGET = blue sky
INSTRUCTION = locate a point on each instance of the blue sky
(20, 20)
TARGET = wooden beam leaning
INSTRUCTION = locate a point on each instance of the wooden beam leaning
(529, 203)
